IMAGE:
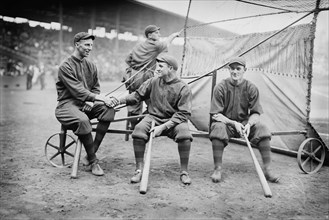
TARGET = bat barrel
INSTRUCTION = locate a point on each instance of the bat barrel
(261, 176)
(147, 164)
(74, 173)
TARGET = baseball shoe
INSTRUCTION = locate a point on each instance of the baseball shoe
(216, 176)
(137, 177)
(85, 161)
(272, 179)
(185, 178)
(96, 169)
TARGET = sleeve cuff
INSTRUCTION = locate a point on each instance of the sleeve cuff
(91, 97)
(169, 124)
(122, 101)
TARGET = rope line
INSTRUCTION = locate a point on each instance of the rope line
(184, 46)
(266, 6)
(129, 78)
(245, 17)
(310, 67)
(261, 42)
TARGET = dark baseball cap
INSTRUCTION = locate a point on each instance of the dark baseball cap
(150, 29)
(171, 61)
(239, 60)
(83, 36)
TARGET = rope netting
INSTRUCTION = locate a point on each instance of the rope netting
(286, 53)
(295, 6)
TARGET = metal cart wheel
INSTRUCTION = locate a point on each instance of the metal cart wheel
(58, 150)
(311, 155)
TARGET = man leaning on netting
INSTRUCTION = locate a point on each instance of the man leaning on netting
(142, 60)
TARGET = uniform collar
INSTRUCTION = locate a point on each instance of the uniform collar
(77, 59)
(174, 80)
(236, 85)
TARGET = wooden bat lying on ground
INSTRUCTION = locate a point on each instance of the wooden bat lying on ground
(146, 169)
(263, 182)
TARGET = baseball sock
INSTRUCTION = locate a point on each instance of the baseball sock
(217, 149)
(139, 149)
(184, 147)
(265, 151)
(133, 122)
(87, 141)
(101, 130)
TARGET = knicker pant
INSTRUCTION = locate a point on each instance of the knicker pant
(69, 114)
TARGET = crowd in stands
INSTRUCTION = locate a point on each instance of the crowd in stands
(43, 45)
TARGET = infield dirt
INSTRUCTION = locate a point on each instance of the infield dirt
(33, 189)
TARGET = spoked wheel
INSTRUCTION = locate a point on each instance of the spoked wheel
(311, 155)
(59, 150)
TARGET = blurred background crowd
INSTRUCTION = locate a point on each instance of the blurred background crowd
(40, 47)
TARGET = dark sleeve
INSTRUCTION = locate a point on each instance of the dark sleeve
(76, 88)
(161, 46)
(129, 59)
(184, 106)
(217, 101)
(96, 87)
(142, 93)
(254, 100)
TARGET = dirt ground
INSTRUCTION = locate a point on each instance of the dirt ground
(33, 189)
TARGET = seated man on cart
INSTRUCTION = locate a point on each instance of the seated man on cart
(170, 107)
(235, 110)
(79, 99)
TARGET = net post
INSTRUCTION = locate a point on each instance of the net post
(213, 84)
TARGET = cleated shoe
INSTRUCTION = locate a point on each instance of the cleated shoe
(137, 177)
(85, 161)
(272, 179)
(216, 176)
(96, 169)
(185, 178)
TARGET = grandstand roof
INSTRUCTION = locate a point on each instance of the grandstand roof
(125, 15)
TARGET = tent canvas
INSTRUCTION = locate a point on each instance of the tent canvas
(281, 67)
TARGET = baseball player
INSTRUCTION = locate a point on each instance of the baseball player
(79, 99)
(235, 110)
(170, 107)
(143, 54)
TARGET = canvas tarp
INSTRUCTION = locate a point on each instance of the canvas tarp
(279, 68)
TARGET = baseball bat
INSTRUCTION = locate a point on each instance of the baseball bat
(74, 173)
(146, 169)
(261, 176)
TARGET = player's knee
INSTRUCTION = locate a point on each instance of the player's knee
(107, 114)
(140, 133)
(218, 131)
(83, 127)
(183, 136)
(260, 126)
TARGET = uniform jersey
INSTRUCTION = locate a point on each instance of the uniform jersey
(77, 79)
(145, 52)
(236, 102)
(172, 100)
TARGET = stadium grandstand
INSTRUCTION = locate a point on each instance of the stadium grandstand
(39, 33)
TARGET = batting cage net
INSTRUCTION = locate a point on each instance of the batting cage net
(279, 63)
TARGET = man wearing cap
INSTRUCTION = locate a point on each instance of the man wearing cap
(79, 99)
(142, 59)
(170, 108)
(235, 110)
